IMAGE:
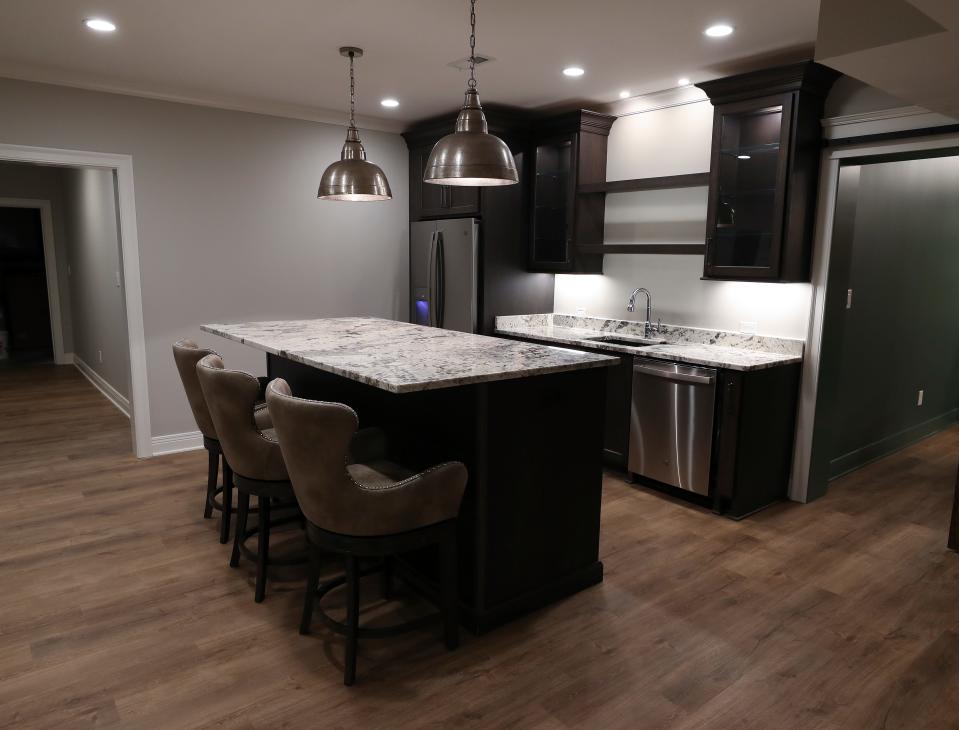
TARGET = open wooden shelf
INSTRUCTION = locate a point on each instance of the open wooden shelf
(698, 179)
(680, 249)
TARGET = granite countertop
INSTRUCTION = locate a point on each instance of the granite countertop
(402, 358)
(713, 348)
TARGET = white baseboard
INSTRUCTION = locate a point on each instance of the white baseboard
(111, 393)
(174, 443)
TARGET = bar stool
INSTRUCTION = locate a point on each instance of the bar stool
(186, 354)
(255, 458)
(374, 509)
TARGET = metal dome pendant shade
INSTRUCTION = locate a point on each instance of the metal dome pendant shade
(353, 177)
(471, 155)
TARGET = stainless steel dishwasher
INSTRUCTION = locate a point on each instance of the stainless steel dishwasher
(671, 423)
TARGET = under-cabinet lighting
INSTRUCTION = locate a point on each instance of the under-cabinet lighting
(391, 103)
(624, 94)
(573, 71)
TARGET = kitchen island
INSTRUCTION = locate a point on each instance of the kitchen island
(526, 419)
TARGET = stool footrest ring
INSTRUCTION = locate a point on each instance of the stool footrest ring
(370, 632)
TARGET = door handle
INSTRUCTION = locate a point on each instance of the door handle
(440, 279)
(680, 377)
(431, 282)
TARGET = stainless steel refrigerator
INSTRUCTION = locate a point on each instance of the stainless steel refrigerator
(444, 276)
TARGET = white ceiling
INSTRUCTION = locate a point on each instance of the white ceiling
(280, 56)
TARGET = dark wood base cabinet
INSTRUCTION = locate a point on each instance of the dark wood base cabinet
(755, 427)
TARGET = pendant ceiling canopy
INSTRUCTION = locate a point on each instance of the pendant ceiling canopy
(471, 155)
(353, 177)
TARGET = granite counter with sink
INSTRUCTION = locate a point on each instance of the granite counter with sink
(696, 346)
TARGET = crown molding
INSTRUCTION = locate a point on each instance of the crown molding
(58, 77)
(883, 121)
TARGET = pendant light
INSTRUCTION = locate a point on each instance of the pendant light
(353, 177)
(471, 155)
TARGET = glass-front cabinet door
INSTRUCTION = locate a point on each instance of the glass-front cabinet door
(747, 189)
(554, 191)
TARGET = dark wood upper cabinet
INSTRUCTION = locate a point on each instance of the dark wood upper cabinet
(764, 172)
(568, 150)
(437, 201)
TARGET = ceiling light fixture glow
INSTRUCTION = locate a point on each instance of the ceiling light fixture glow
(573, 71)
(391, 103)
(719, 30)
(624, 94)
(684, 81)
(101, 25)
(744, 157)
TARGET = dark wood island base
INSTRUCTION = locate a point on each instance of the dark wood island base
(529, 524)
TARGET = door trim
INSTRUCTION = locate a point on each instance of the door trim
(50, 269)
(130, 248)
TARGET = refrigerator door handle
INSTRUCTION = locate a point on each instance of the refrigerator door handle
(431, 280)
(440, 279)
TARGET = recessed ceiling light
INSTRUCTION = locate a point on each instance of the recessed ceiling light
(101, 25)
(744, 157)
(683, 81)
(719, 30)
(573, 71)
(389, 103)
(624, 94)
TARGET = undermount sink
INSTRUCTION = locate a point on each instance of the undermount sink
(625, 341)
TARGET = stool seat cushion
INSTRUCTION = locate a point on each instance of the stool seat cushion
(380, 474)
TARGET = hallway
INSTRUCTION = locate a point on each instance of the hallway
(118, 608)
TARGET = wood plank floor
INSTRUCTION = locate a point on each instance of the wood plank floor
(117, 607)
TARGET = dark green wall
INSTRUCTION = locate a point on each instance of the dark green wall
(902, 333)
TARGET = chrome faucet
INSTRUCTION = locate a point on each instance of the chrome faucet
(648, 329)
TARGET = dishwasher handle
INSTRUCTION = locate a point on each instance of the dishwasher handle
(672, 375)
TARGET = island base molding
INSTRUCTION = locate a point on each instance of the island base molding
(530, 519)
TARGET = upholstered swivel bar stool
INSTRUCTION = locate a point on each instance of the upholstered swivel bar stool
(254, 456)
(187, 354)
(374, 509)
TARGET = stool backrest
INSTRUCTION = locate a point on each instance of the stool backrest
(186, 354)
(315, 437)
(231, 397)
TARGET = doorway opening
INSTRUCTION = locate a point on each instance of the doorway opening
(91, 278)
(887, 326)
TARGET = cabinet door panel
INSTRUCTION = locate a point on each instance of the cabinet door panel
(554, 192)
(748, 187)
(426, 199)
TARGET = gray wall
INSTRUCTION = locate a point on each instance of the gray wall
(902, 333)
(44, 183)
(228, 222)
(93, 254)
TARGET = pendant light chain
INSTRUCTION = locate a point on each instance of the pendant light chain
(472, 82)
(352, 92)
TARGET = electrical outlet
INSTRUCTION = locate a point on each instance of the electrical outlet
(922, 394)
(748, 328)
(100, 355)
(580, 312)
